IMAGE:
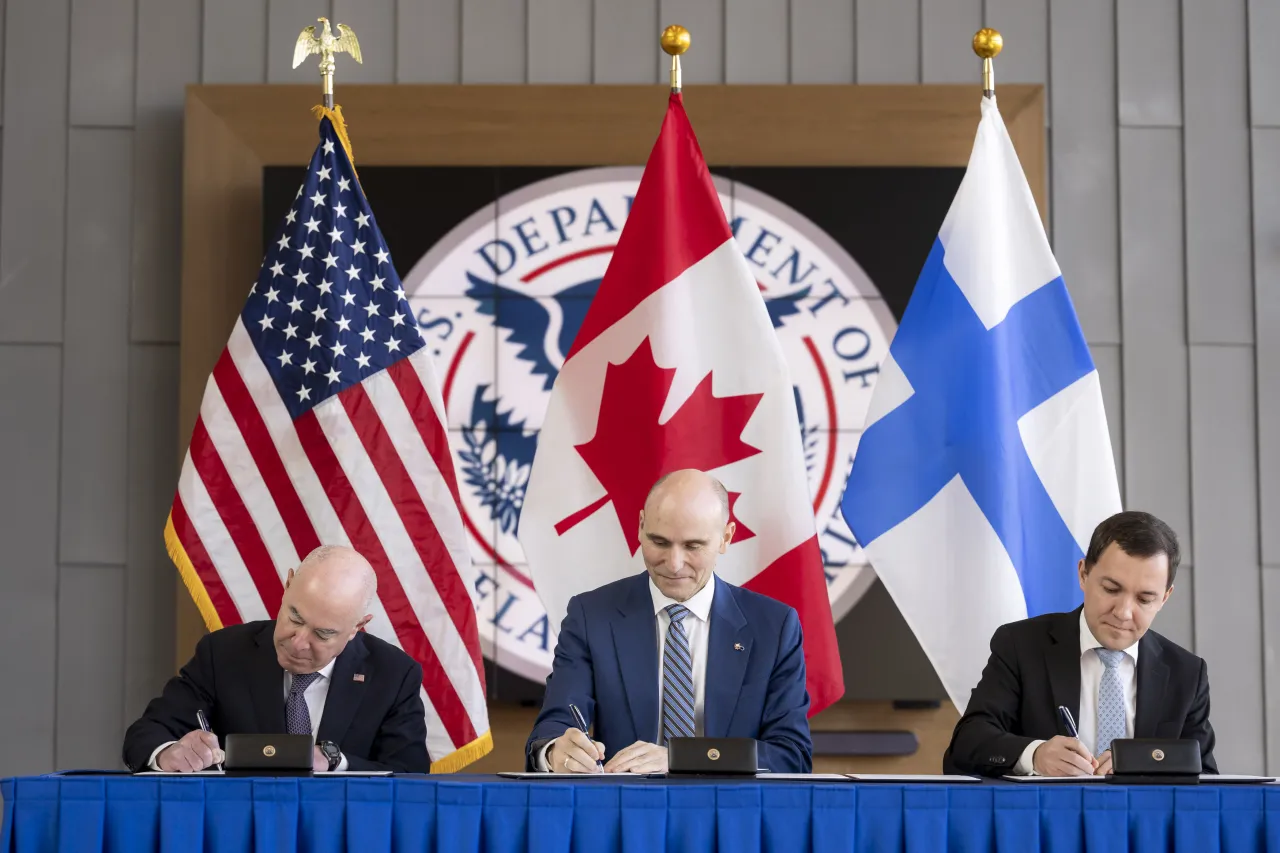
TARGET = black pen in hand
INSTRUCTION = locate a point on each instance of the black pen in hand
(582, 724)
(1064, 714)
(204, 726)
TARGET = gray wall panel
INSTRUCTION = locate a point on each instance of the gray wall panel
(1107, 358)
(946, 41)
(1224, 512)
(1266, 270)
(1157, 412)
(33, 169)
(1215, 118)
(626, 41)
(28, 527)
(235, 42)
(888, 41)
(494, 36)
(1149, 56)
(153, 476)
(2, 17)
(1264, 64)
(560, 41)
(1271, 662)
(1177, 619)
(756, 48)
(285, 20)
(1085, 216)
(704, 19)
(90, 707)
(428, 41)
(822, 42)
(102, 52)
(168, 59)
(1025, 27)
(96, 347)
(374, 22)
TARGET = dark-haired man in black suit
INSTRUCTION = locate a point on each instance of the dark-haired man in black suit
(311, 671)
(1118, 679)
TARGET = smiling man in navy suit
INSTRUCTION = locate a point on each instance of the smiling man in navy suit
(675, 652)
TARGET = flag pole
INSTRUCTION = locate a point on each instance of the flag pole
(675, 41)
(987, 43)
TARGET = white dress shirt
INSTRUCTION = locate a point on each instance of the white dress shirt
(1091, 669)
(315, 694)
(697, 627)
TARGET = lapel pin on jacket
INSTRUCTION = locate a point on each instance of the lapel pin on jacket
(737, 647)
(359, 676)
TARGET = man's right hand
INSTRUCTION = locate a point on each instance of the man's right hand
(574, 752)
(1063, 756)
(198, 750)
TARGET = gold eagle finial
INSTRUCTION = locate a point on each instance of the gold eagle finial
(326, 44)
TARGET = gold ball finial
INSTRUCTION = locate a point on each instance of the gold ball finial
(987, 43)
(675, 39)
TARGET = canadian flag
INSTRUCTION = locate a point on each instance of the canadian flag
(677, 366)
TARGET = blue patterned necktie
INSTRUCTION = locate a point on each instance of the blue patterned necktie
(297, 715)
(1110, 700)
(677, 678)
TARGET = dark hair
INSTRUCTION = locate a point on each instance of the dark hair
(1139, 534)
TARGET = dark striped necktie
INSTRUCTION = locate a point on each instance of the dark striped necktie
(677, 678)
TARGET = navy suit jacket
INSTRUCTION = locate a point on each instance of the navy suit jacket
(606, 663)
(378, 722)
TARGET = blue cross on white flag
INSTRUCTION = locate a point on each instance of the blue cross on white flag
(985, 461)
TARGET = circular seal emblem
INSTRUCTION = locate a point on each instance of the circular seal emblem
(499, 300)
(268, 750)
(713, 753)
(1157, 754)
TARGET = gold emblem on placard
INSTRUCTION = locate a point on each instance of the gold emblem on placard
(268, 750)
(713, 754)
(1157, 754)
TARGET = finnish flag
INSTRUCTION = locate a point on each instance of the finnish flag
(985, 461)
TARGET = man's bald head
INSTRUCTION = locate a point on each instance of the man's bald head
(684, 527)
(325, 603)
(689, 485)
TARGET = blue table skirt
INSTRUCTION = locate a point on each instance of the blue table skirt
(372, 815)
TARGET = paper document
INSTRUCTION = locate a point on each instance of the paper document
(1236, 779)
(908, 777)
(1043, 779)
(804, 777)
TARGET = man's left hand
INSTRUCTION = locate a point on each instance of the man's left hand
(1104, 764)
(640, 757)
(319, 763)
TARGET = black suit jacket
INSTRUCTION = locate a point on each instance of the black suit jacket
(378, 722)
(1035, 667)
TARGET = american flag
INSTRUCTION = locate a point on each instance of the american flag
(322, 423)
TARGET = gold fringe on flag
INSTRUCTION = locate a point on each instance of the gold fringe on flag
(461, 757)
(189, 577)
(339, 126)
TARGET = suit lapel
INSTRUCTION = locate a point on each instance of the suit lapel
(266, 684)
(1153, 678)
(726, 664)
(635, 641)
(345, 693)
(1063, 661)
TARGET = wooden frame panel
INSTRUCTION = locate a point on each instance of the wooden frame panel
(232, 132)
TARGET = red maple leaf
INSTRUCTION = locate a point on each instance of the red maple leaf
(631, 450)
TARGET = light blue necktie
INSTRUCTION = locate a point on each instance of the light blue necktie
(1110, 700)
(677, 678)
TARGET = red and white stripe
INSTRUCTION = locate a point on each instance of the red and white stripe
(368, 468)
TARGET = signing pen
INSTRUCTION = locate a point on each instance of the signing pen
(582, 724)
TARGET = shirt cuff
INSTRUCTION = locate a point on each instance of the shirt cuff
(1026, 762)
(342, 765)
(151, 763)
(541, 762)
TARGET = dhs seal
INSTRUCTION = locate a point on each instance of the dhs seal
(499, 301)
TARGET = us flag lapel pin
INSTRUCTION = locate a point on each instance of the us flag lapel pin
(359, 676)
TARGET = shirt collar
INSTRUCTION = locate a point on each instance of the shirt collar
(1088, 641)
(699, 604)
(326, 672)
